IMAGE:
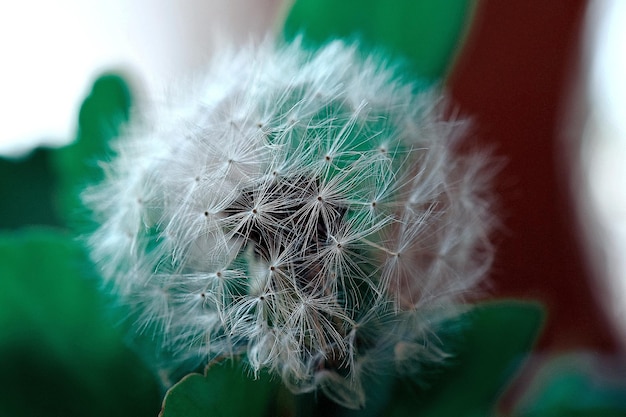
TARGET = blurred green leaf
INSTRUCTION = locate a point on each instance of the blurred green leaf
(60, 353)
(27, 191)
(101, 118)
(43, 188)
(576, 384)
(493, 344)
(498, 338)
(425, 32)
(226, 390)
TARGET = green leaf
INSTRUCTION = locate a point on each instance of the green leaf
(27, 191)
(493, 346)
(576, 384)
(101, 117)
(43, 188)
(60, 353)
(425, 32)
(225, 390)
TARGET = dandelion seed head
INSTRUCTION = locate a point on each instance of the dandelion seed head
(306, 210)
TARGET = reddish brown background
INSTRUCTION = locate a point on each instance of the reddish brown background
(513, 76)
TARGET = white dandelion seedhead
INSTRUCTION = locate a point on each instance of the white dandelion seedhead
(305, 210)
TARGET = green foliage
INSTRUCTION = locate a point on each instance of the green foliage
(101, 117)
(426, 33)
(27, 191)
(60, 353)
(499, 337)
(576, 385)
(225, 390)
(493, 343)
(43, 188)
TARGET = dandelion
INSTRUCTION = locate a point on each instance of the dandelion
(305, 210)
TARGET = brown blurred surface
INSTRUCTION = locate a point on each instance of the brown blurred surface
(513, 77)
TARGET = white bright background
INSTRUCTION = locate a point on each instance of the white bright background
(51, 51)
(603, 152)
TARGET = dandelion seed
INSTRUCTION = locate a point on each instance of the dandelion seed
(305, 210)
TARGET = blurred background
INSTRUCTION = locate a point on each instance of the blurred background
(542, 81)
(52, 52)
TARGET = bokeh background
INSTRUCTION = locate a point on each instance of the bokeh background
(520, 75)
